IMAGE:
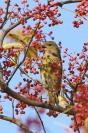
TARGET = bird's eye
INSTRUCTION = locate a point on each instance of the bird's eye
(49, 44)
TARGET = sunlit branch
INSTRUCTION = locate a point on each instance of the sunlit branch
(17, 122)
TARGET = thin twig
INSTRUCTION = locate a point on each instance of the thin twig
(6, 14)
(40, 120)
(13, 109)
(25, 54)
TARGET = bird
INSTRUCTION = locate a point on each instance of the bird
(51, 71)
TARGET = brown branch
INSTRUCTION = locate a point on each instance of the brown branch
(17, 122)
(6, 14)
(70, 2)
(65, 2)
(29, 102)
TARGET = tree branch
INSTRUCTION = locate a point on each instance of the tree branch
(70, 2)
(65, 2)
(60, 4)
(17, 122)
(29, 102)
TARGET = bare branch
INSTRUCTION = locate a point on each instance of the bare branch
(17, 122)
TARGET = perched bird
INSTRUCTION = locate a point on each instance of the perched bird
(51, 71)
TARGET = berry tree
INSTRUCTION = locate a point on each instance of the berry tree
(23, 37)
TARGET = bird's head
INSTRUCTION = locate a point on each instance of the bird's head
(51, 48)
(50, 45)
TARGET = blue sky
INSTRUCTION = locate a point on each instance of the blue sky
(71, 38)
